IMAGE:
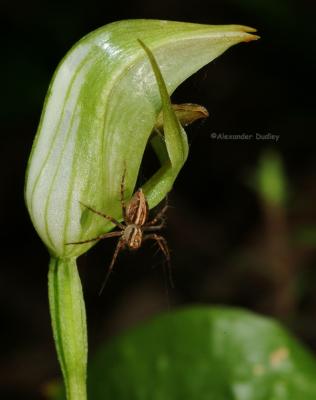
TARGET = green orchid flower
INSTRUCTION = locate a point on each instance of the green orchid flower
(99, 114)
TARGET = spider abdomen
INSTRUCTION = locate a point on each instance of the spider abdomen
(133, 236)
(137, 209)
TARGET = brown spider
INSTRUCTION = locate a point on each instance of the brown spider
(133, 227)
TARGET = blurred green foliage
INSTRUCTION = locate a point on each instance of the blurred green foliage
(306, 235)
(204, 353)
(271, 181)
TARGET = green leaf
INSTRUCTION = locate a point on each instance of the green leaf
(100, 110)
(204, 353)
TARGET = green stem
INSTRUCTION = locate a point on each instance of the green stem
(68, 316)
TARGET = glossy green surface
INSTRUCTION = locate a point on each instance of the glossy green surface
(204, 353)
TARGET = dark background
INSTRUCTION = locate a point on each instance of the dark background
(224, 237)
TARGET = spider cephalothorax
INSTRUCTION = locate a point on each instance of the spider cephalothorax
(135, 227)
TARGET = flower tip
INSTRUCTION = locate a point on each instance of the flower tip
(204, 112)
(250, 37)
(254, 37)
(249, 29)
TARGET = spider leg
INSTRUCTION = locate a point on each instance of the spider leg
(158, 217)
(119, 246)
(147, 228)
(104, 236)
(162, 243)
(122, 195)
(108, 217)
